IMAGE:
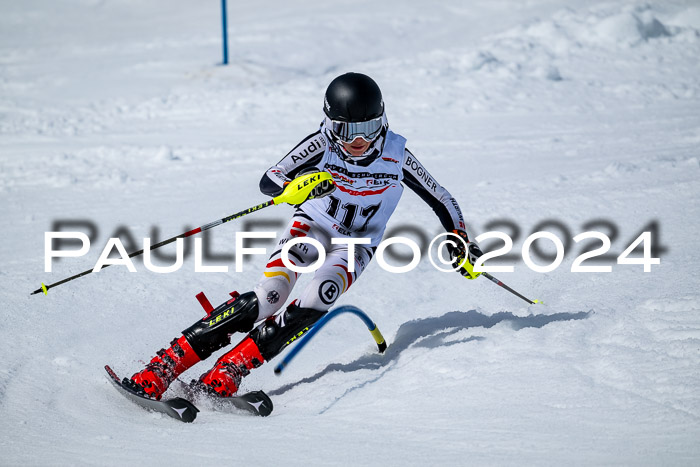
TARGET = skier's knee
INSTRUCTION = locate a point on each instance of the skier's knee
(273, 335)
(322, 292)
(214, 332)
(272, 293)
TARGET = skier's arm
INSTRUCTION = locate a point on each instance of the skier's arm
(437, 197)
(464, 252)
(304, 156)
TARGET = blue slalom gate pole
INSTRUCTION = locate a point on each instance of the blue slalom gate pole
(224, 31)
(378, 338)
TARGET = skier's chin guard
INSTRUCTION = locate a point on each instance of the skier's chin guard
(214, 331)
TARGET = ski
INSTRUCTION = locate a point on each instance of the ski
(254, 402)
(177, 408)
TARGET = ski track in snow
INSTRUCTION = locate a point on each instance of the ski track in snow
(525, 111)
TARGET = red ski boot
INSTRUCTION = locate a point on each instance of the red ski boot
(225, 377)
(167, 365)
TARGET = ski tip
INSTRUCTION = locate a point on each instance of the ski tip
(535, 301)
(111, 373)
(177, 408)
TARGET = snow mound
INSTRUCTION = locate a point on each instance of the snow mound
(606, 25)
(628, 28)
(573, 58)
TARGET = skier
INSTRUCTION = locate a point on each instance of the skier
(369, 165)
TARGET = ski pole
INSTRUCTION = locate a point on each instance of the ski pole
(378, 338)
(498, 282)
(298, 191)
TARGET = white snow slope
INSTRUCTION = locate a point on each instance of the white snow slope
(119, 113)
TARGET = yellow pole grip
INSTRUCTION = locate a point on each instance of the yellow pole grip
(378, 338)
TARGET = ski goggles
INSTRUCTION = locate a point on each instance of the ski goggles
(347, 132)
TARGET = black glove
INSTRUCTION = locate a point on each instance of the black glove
(324, 188)
(464, 258)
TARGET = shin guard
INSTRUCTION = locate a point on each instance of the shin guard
(276, 333)
(214, 331)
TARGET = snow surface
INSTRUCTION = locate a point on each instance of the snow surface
(118, 112)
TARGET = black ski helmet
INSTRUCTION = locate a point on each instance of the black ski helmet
(353, 97)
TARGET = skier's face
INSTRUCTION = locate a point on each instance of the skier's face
(357, 147)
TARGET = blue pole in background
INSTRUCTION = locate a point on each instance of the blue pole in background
(378, 338)
(224, 31)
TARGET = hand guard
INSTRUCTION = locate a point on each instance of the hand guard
(324, 188)
(305, 187)
(464, 259)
